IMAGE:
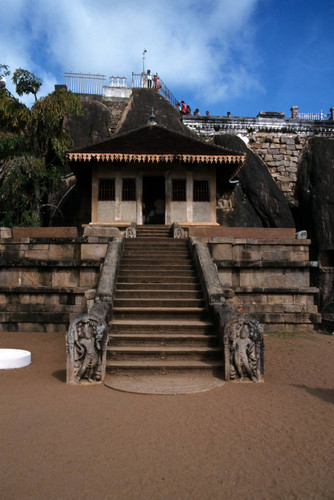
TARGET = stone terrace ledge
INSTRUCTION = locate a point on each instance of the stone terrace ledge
(265, 122)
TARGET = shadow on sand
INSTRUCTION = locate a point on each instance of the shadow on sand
(60, 375)
(324, 394)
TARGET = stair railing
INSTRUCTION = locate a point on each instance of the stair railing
(240, 336)
(87, 336)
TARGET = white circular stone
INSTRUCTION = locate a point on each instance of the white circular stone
(14, 358)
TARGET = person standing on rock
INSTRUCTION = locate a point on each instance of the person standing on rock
(149, 79)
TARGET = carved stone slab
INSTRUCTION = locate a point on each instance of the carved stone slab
(243, 349)
(86, 344)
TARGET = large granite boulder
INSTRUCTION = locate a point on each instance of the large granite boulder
(315, 194)
(92, 126)
(263, 203)
(138, 112)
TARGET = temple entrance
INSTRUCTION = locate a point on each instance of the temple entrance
(153, 200)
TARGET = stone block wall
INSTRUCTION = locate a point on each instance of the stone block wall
(281, 153)
(270, 279)
(43, 280)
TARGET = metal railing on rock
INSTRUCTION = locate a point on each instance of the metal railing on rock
(139, 80)
(85, 83)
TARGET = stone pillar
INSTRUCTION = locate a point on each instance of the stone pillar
(139, 199)
(118, 197)
(332, 113)
(189, 187)
(168, 198)
(294, 112)
(95, 195)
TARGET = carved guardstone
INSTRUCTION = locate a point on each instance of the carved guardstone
(243, 349)
(86, 345)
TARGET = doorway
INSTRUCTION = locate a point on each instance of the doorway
(153, 200)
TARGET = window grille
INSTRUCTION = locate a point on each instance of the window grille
(201, 190)
(179, 190)
(107, 190)
(129, 190)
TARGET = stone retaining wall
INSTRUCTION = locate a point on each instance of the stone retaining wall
(270, 279)
(43, 280)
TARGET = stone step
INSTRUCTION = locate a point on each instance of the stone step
(157, 302)
(159, 233)
(156, 266)
(162, 352)
(157, 326)
(181, 313)
(156, 273)
(163, 367)
(176, 287)
(156, 253)
(154, 228)
(129, 277)
(158, 294)
(156, 243)
(172, 261)
(158, 339)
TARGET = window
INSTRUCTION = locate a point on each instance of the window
(107, 190)
(179, 190)
(201, 191)
(129, 190)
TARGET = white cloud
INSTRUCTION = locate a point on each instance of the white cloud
(202, 47)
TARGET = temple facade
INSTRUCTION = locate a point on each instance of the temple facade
(153, 175)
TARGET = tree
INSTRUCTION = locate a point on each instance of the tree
(24, 184)
(32, 155)
(14, 115)
(26, 82)
(45, 127)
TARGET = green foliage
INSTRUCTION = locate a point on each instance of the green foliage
(14, 115)
(24, 183)
(11, 144)
(46, 129)
(26, 82)
(4, 70)
(33, 144)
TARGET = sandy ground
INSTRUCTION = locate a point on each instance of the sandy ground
(238, 441)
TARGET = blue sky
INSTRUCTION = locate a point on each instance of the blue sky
(242, 56)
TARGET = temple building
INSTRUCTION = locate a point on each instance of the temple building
(154, 175)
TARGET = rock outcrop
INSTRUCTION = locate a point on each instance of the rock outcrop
(92, 126)
(263, 203)
(314, 192)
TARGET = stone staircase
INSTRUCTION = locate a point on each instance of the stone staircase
(160, 322)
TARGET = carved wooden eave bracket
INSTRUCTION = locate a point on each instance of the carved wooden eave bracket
(237, 160)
